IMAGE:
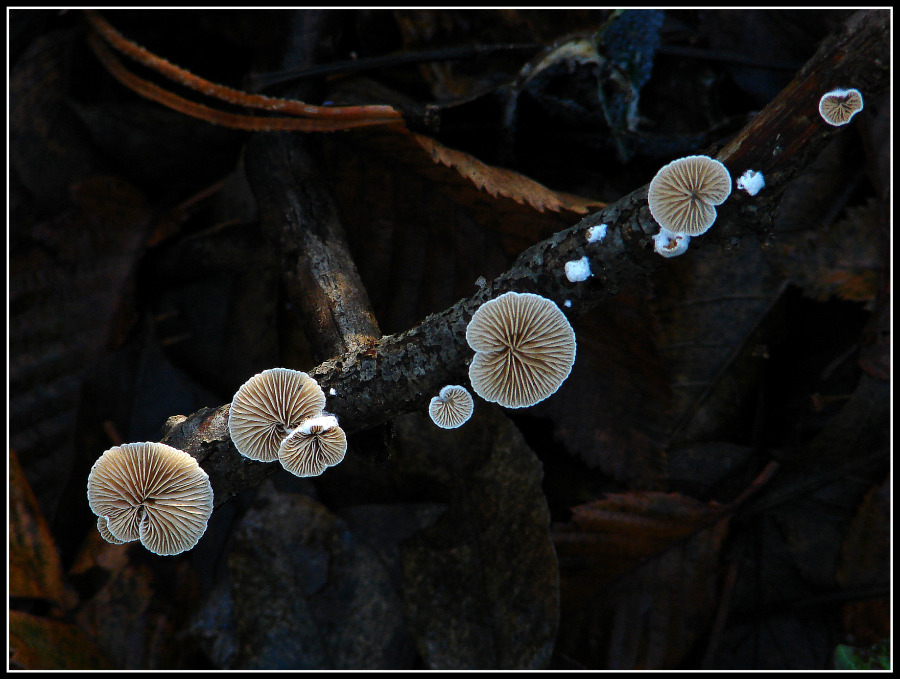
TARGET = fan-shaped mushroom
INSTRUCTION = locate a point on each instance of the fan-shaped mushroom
(839, 106)
(683, 194)
(452, 407)
(150, 492)
(318, 443)
(103, 529)
(268, 406)
(524, 349)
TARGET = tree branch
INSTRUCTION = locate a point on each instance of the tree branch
(400, 373)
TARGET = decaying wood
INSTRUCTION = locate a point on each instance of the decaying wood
(321, 280)
(400, 373)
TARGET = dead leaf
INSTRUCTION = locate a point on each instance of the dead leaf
(133, 608)
(865, 559)
(420, 233)
(709, 308)
(498, 181)
(844, 260)
(639, 579)
(480, 585)
(323, 598)
(612, 411)
(37, 643)
(35, 570)
(68, 293)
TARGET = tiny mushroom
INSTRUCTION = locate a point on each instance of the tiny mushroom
(578, 270)
(683, 194)
(839, 106)
(670, 244)
(452, 407)
(524, 349)
(268, 407)
(752, 182)
(318, 443)
(596, 233)
(150, 492)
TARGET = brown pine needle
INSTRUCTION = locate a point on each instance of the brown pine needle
(369, 114)
(215, 116)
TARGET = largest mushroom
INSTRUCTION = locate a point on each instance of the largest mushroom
(524, 349)
(150, 492)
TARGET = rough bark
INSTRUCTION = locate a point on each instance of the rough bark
(400, 373)
(320, 278)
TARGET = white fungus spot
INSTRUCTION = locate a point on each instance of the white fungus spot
(578, 270)
(332, 392)
(752, 182)
(568, 304)
(596, 233)
(670, 244)
(325, 422)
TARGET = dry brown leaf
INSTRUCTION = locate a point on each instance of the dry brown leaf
(844, 260)
(615, 534)
(499, 181)
(638, 578)
(34, 565)
(134, 608)
(865, 559)
(37, 643)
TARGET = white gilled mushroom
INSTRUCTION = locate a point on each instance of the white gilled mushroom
(316, 444)
(684, 193)
(103, 529)
(452, 407)
(839, 106)
(150, 492)
(268, 407)
(524, 349)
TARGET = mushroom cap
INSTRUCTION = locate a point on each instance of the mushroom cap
(317, 444)
(839, 106)
(153, 493)
(268, 405)
(524, 349)
(103, 529)
(452, 407)
(683, 194)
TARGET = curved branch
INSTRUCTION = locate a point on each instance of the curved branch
(400, 373)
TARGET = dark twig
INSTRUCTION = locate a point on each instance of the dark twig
(259, 81)
(399, 373)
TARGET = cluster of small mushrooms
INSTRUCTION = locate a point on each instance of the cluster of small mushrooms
(684, 194)
(278, 414)
(524, 350)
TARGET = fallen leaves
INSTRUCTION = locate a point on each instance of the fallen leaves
(645, 563)
(35, 571)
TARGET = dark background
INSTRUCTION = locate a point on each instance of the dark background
(141, 287)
